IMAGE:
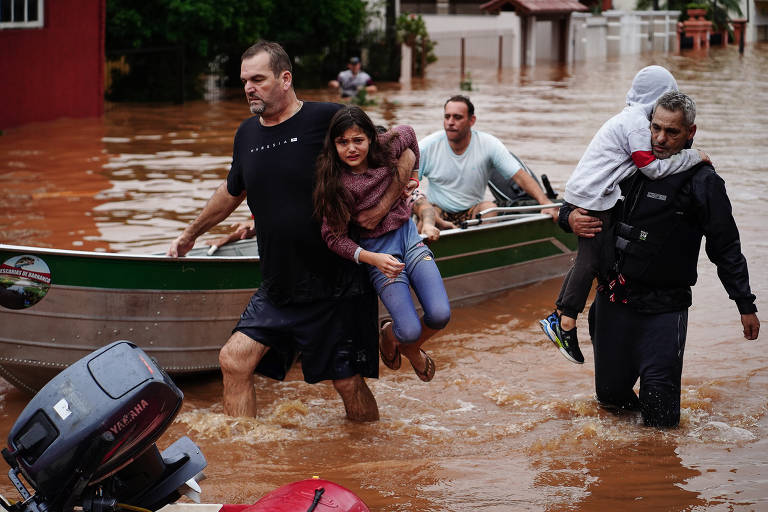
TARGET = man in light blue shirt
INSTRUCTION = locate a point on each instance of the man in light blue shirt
(458, 162)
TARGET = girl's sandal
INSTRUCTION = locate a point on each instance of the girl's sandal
(396, 360)
(429, 369)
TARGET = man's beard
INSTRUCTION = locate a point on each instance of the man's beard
(258, 109)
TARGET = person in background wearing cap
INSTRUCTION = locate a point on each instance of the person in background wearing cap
(351, 80)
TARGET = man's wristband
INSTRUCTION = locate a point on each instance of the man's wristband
(562, 217)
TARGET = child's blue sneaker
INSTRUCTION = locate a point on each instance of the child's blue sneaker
(566, 341)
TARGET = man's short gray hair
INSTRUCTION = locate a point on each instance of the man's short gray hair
(676, 101)
(278, 59)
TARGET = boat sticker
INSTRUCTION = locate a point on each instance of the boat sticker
(24, 281)
(62, 408)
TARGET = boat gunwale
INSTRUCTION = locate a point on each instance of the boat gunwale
(448, 233)
(122, 255)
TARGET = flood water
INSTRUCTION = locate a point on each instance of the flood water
(507, 424)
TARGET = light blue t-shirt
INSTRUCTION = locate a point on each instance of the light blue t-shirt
(457, 182)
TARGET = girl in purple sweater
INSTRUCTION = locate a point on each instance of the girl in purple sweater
(354, 169)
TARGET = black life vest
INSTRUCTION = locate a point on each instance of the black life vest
(658, 236)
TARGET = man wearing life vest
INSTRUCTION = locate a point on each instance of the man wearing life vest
(639, 318)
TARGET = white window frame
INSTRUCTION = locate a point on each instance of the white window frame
(17, 23)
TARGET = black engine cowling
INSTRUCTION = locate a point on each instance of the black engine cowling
(87, 439)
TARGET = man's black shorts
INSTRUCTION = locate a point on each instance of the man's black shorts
(334, 338)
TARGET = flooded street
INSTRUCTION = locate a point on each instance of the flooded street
(507, 424)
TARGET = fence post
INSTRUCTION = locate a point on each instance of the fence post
(501, 52)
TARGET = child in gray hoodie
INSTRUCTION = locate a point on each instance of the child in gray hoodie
(620, 147)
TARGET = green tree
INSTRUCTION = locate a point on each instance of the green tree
(412, 31)
(167, 44)
(152, 36)
(718, 13)
(319, 34)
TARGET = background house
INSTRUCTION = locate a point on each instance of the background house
(522, 32)
(52, 62)
(756, 14)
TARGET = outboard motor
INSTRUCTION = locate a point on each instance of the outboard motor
(87, 439)
(508, 193)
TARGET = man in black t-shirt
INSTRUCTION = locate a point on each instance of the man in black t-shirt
(311, 302)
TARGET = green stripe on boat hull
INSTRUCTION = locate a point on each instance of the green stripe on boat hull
(181, 310)
(154, 272)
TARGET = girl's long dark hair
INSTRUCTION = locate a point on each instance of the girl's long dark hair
(331, 199)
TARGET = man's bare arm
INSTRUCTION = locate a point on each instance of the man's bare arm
(218, 208)
(532, 188)
(427, 216)
(371, 217)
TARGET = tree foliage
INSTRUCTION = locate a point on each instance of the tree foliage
(412, 31)
(204, 30)
(203, 27)
(718, 13)
(319, 34)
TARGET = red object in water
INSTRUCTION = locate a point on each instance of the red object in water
(299, 496)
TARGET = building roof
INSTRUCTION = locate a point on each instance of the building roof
(536, 7)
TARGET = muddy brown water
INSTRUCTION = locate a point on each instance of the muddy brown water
(507, 424)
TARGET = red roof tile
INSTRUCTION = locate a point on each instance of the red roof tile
(536, 6)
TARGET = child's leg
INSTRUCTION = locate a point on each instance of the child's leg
(574, 293)
(425, 279)
(394, 293)
(406, 325)
(407, 328)
(428, 284)
(575, 290)
(559, 300)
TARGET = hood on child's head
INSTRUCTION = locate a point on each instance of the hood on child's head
(649, 84)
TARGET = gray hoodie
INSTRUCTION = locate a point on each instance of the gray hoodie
(594, 184)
